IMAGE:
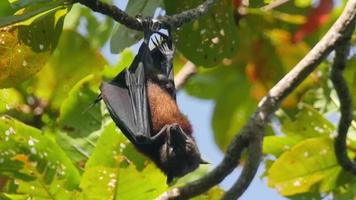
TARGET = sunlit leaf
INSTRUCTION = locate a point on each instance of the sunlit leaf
(108, 148)
(213, 193)
(25, 47)
(109, 173)
(31, 13)
(211, 38)
(9, 99)
(38, 164)
(309, 162)
(27, 3)
(276, 145)
(308, 123)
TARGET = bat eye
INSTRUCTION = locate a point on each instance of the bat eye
(170, 151)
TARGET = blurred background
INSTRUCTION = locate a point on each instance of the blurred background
(53, 57)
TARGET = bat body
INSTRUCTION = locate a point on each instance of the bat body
(142, 102)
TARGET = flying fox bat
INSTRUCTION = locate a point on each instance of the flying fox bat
(142, 102)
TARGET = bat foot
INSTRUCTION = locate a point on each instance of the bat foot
(149, 27)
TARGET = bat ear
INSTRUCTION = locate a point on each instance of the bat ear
(202, 161)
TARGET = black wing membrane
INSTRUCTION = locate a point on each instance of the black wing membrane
(126, 97)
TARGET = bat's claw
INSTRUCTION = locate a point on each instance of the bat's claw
(150, 26)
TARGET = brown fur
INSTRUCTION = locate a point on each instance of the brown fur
(164, 110)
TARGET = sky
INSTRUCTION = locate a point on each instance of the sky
(199, 112)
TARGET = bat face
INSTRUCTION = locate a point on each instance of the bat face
(179, 155)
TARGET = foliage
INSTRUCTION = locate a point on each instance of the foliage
(54, 144)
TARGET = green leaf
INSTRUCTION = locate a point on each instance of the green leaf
(208, 83)
(26, 3)
(109, 146)
(99, 183)
(109, 174)
(28, 15)
(310, 162)
(124, 37)
(346, 192)
(276, 145)
(25, 47)
(308, 123)
(5, 9)
(234, 105)
(232, 110)
(211, 38)
(73, 60)
(213, 193)
(303, 3)
(37, 164)
(76, 117)
(148, 184)
(9, 99)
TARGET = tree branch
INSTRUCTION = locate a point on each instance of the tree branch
(345, 99)
(253, 130)
(122, 17)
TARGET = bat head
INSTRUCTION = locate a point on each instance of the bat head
(179, 154)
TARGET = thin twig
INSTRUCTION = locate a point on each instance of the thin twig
(274, 4)
(122, 17)
(345, 100)
(188, 70)
(267, 106)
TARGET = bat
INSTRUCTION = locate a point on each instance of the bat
(142, 102)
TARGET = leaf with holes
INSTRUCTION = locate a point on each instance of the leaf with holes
(276, 145)
(26, 46)
(34, 163)
(110, 173)
(308, 163)
(211, 38)
(308, 123)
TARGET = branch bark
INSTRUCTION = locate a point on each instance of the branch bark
(345, 99)
(122, 17)
(253, 130)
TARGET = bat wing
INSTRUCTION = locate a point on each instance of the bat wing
(126, 98)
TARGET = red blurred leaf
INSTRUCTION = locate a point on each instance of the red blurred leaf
(236, 3)
(316, 18)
